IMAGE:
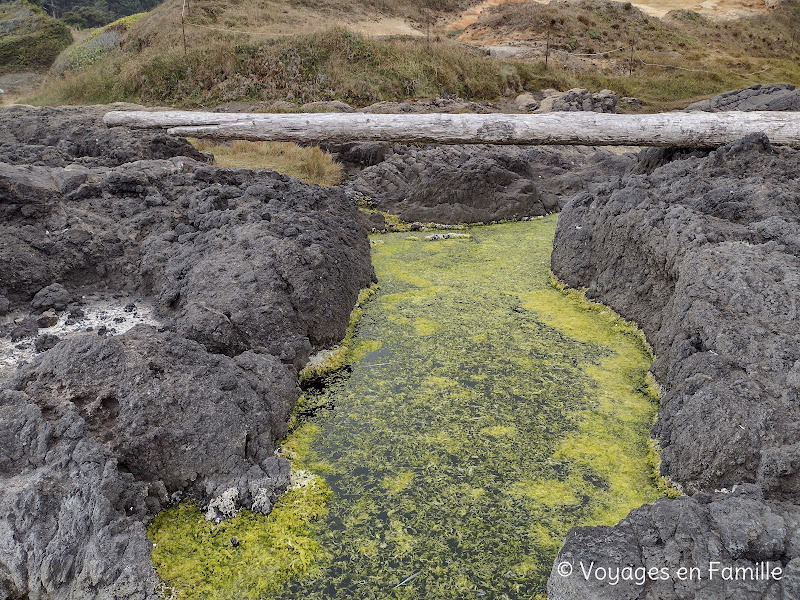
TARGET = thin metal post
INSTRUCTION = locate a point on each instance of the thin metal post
(547, 48)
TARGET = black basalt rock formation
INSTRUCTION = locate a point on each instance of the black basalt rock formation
(248, 273)
(481, 184)
(703, 253)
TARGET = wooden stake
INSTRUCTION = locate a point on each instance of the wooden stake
(428, 23)
(547, 48)
(630, 66)
(183, 25)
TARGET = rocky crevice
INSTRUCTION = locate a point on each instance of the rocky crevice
(478, 184)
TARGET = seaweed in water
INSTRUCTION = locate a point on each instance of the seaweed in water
(486, 413)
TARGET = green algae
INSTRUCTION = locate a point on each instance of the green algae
(475, 412)
(488, 414)
(250, 556)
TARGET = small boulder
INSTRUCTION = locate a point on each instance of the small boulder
(526, 102)
(327, 106)
(45, 342)
(47, 319)
(53, 296)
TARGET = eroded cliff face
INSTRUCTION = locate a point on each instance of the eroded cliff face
(247, 273)
(703, 253)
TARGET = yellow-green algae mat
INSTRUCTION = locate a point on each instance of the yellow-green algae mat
(486, 413)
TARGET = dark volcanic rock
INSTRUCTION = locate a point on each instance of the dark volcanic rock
(53, 296)
(355, 156)
(774, 97)
(473, 184)
(176, 417)
(736, 530)
(56, 137)
(47, 319)
(780, 96)
(45, 342)
(249, 271)
(704, 254)
(239, 259)
(70, 521)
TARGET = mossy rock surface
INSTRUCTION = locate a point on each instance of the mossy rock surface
(486, 413)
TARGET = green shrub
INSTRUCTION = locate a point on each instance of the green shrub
(32, 40)
(97, 44)
(86, 17)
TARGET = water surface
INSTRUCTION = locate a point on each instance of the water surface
(488, 413)
(485, 413)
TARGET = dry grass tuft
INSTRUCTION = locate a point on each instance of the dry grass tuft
(311, 165)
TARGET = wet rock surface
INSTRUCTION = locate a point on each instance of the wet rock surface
(469, 184)
(246, 272)
(704, 253)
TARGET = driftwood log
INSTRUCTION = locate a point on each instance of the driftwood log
(687, 130)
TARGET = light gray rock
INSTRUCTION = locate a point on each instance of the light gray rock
(70, 522)
(780, 96)
(327, 106)
(604, 101)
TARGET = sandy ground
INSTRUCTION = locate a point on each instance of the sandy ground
(713, 9)
(383, 27)
(470, 16)
(18, 85)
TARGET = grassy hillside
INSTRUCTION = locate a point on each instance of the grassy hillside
(249, 50)
(334, 64)
(682, 56)
(30, 40)
(93, 46)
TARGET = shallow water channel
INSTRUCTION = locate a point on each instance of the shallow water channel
(486, 413)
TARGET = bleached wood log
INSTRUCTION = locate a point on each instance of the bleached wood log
(692, 129)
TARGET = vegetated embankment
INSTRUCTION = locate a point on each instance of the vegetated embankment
(252, 52)
(30, 39)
